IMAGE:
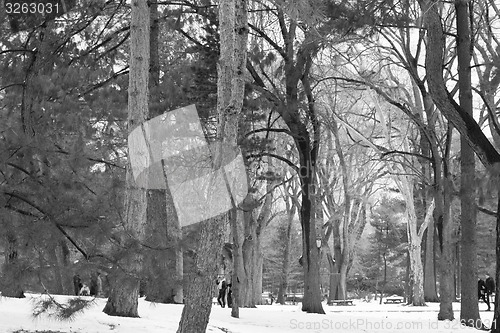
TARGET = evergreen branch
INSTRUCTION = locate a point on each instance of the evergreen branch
(102, 83)
(16, 50)
(21, 211)
(49, 216)
(487, 211)
(269, 40)
(93, 159)
(12, 85)
(117, 45)
(267, 130)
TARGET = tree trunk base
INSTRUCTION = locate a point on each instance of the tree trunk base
(123, 299)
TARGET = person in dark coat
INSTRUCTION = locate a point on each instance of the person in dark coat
(222, 292)
(77, 284)
(490, 286)
(229, 295)
(481, 292)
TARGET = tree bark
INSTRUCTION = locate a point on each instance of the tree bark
(416, 275)
(230, 94)
(430, 287)
(446, 247)
(12, 276)
(123, 298)
(469, 307)
(285, 269)
(495, 327)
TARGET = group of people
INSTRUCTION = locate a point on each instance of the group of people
(225, 292)
(485, 288)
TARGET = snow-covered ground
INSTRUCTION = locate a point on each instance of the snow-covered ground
(16, 316)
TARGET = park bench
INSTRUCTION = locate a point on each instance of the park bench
(294, 299)
(341, 302)
(393, 300)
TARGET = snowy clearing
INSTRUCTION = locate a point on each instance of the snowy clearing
(16, 316)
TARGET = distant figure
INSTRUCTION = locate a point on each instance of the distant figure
(85, 291)
(229, 295)
(490, 285)
(222, 292)
(77, 284)
(481, 292)
(271, 297)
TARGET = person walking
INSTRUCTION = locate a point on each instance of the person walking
(490, 286)
(481, 292)
(221, 299)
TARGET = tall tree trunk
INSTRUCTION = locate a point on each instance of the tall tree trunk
(285, 269)
(495, 327)
(12, 276)
(249, 248)
(251, 294)
(201, 285)
(230, 92)
(239, 276)
(310, 254)
(335, 292)
(446, 247)
(430, 288)
(123, 298)
(469, 307)
(408, 282)
(57, 270)
(160, 284)
(414, 241)
(65, 263)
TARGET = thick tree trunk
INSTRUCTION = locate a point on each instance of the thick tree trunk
(446, 286)
(57, 270)
(230, 92)
(252, 249)
(310, 255)
(239, 276)
(122, 300)
(124, 295)
(159, 282)
(285, 269)
(65, 263)
(249, 249)
(495, 327)
(162, 220)
(469, 307)
(430, 289)
(416, 276)
(335, 292)
(12, 276)
(201, 286)
(251, 293)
